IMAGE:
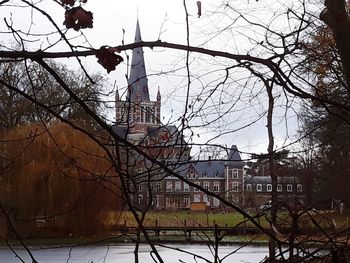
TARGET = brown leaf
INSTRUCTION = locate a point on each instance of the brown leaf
(78, 18)
(68, 2)
(71, 2)
(108, 59)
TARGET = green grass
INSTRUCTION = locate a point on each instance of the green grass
(180, 218)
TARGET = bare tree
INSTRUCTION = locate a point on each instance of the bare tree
(265, 77)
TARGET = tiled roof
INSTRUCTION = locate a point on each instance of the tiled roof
(267, 180)
(212, 168)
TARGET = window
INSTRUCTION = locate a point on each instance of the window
(204, 175)
(216, 174)
(155, 201)
(177, 186)
(139, 187)
(299, 187)
(234, 186)
(142, 114)
(186, 187)
(206, 185)
(234, 173)
(140, 199)
(269, 187)
(279, 188)
(216, 202)
(192, 175)
(216, 187)
(196, 198)
(206, 200)
(289, 188)
(258, 187)
(194, 188)
(167, 201)
(156, 187)
(186, 201)
(169, 186)
(248, 187)
(149, 113)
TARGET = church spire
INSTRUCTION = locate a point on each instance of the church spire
(138, 83)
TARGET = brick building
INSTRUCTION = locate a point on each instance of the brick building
(138, 121)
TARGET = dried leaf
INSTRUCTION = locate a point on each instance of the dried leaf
(78, 18)
(108, 59)
(68, 2)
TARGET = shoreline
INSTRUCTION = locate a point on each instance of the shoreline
(47, 243)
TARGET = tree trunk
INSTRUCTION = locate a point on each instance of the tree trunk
(336, 17)
(272, 241)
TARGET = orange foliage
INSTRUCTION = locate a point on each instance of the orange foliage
(60, 174)
(322, 60)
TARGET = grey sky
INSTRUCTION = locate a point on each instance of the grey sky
(165, 20)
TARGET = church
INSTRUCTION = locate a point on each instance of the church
(138, 120)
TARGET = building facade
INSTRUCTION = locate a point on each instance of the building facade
(155, 181)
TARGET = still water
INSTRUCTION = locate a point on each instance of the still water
(124, 253)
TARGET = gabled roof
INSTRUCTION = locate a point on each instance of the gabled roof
(234, 158)
(138, 83)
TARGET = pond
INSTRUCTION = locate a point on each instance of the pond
(125, 253)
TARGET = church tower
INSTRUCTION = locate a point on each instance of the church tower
(137, 111)
(138, 82)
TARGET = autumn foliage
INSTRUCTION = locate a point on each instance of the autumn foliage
(57, 180)
(108, 59)
(78, 18)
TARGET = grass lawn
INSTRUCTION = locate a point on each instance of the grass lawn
(190, 218)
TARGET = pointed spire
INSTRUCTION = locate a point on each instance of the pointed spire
(138, 82)
(158, 94)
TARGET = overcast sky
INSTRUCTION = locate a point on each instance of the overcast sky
(165, 20)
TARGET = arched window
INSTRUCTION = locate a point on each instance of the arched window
(258, 187)
(269, 187)
(248, 187)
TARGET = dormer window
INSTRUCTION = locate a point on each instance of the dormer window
(289, 188)
(248, 187)
(279, 188)
(204, 175)
(258, 187)
(269, 187)
(299, 187)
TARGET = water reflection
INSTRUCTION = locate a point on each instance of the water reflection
(125, 253)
